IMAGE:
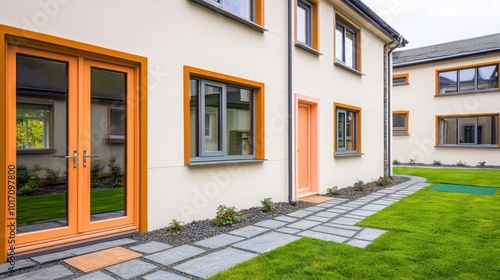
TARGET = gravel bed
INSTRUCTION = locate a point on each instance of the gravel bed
(408, 164)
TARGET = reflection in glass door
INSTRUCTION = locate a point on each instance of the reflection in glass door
(107, 155)
(43, 157)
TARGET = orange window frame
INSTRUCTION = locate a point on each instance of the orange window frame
(463, 67)
(13, 39)
(314, 23)
(406, 76)
(358, 126)
(407, 117)
(258, 88)
(339, 16)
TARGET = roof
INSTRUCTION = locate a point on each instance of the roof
(370, 15)
(450, 50)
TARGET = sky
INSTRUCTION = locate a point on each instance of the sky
(430, 22)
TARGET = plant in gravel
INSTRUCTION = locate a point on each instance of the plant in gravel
(227, 216)
(384, 181)
(461, 164)
(267, 204)
(175, 226)
(481, 163)
(26, 189)
(359, 186)
(332, 191)
(396, 162)
(436, 162)
(413, 161)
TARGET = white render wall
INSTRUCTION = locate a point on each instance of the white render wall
(175, 33)
(419, 99)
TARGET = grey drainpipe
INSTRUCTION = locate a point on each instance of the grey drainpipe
(387, 115)
(290, 106)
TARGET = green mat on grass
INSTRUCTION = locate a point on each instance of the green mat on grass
(464, 189)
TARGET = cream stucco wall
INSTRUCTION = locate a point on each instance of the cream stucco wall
(173, 34)
(419, 99)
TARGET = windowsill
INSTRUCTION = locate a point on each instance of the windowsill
(36, 151)
(227, 14)
(342, 155)
(466, 92)
(394, 133)
(115, 140)
(218, 162)
(343, 66)
(307, 48)
(398, 85)
(469, 146)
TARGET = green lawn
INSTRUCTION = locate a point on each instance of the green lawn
(475, 177)
(53, 206)
(432, 235)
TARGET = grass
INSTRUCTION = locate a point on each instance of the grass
(32, 209)
(432, 235)
(475, 177)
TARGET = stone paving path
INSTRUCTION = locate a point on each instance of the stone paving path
(333, 220)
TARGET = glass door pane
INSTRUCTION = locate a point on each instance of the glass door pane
(107, 154)
(43, 157)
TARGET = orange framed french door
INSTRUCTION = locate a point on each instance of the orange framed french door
(76, 134)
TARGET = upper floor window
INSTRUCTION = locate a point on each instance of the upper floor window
(241, 8)
(347, 42)
(468, 79)
(347, 132)
(33, 123)
(468, 130)
(400, 122)
(400, 79)
(306, 23)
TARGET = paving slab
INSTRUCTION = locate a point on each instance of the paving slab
(335, 231)
(317, 218)
(101, 246)
(98, 275)
(338, 211)
(356, 228)
(49, 273)
(314, 208)
(4, 267)
(266, 242)
(300, 214)
(370, 234)
(327, 214)
(362, 213)
(373, 207)
(162, 275)
(346, 221)
(289, 230)
(219, 241)
(358, 243)
(53, 257)
(383, 202)
(175, 254)
(271, 224)
(213, 263)
(344, 207)
(131, 268)
(323, 236)
(353, 216)
(286, 219)
(304, 224)
(248, 231)
(151, 247)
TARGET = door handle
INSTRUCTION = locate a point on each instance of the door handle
(74, 157)
(85, 156)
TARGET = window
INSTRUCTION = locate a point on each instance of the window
(468, 130)
(306, 24)
(468, 79)
(225, 117)
(400, 122)
(347, 130)
(117, 121)
(33, 126)
(248, 12)
(347, 41)
(400, 79)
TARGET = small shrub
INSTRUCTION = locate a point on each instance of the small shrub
(460, 163)
(413, 161)
(396, 162)
(115, 171)
(52, 177)
(384, 181)
(96, 168)
(267, 204)
(359, 186)
(26, 189)
(175, 226)
(35, 179)
(23, 174)
(436, 162)
(227, 216)
(332, 191)
(481, 163)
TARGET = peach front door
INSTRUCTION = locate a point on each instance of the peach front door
(304, 149)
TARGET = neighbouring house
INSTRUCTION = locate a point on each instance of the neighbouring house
(121, 116)
(445, 103)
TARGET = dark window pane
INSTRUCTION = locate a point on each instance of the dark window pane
(448, 131)
(351, 131)
(487, 130)
(467, 79)
(213, 97)
(302, 24)
(399, 122)
(399, 81)
(239, 121)
(448, 82)
(487, 77)
(194, 117)
(339, 43)
(241, 8)
(467, 130)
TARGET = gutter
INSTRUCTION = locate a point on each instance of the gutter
(388, 49)
(290, 105)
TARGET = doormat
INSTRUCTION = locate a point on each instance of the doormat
(315, 198)
(101, 259)
(464, 189)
